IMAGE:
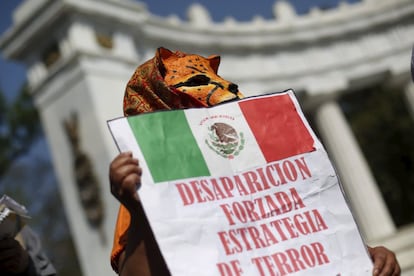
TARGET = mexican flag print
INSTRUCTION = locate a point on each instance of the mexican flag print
(233, 137)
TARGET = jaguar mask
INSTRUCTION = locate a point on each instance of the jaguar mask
(174, 80)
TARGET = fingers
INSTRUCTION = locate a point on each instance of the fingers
(397, 271)
(123, 164)
(125, 177)
(385, 262)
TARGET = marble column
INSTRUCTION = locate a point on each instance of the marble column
(409, 97)
(362, 192)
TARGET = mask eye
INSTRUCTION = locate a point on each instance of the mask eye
(197, 80)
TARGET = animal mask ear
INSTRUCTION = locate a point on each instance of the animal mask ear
(164, 53)
(214, 62)
(161, 55)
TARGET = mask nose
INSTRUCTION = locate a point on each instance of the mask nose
(233, 88)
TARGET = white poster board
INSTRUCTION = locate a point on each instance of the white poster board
(242, 188)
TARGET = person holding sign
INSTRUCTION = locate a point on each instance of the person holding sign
(145, 92)
(172, 81)
(20, 247)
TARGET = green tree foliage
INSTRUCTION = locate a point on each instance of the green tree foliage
(19, 127)
(385, 131)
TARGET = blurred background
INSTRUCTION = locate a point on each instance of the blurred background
(36, 167)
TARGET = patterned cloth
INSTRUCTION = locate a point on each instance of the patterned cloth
(146, 91)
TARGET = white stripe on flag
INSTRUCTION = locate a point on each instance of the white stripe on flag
(248, 157)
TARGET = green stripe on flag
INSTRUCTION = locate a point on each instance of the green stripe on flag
(168, 145)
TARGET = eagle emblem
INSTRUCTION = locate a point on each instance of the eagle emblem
(224, 140)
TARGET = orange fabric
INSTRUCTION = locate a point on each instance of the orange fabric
(120, 236)
(147, 91)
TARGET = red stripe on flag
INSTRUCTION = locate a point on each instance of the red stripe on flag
(277, 127)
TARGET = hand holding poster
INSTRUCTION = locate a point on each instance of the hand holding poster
(243, 188)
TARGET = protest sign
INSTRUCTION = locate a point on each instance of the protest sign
(242, 188)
